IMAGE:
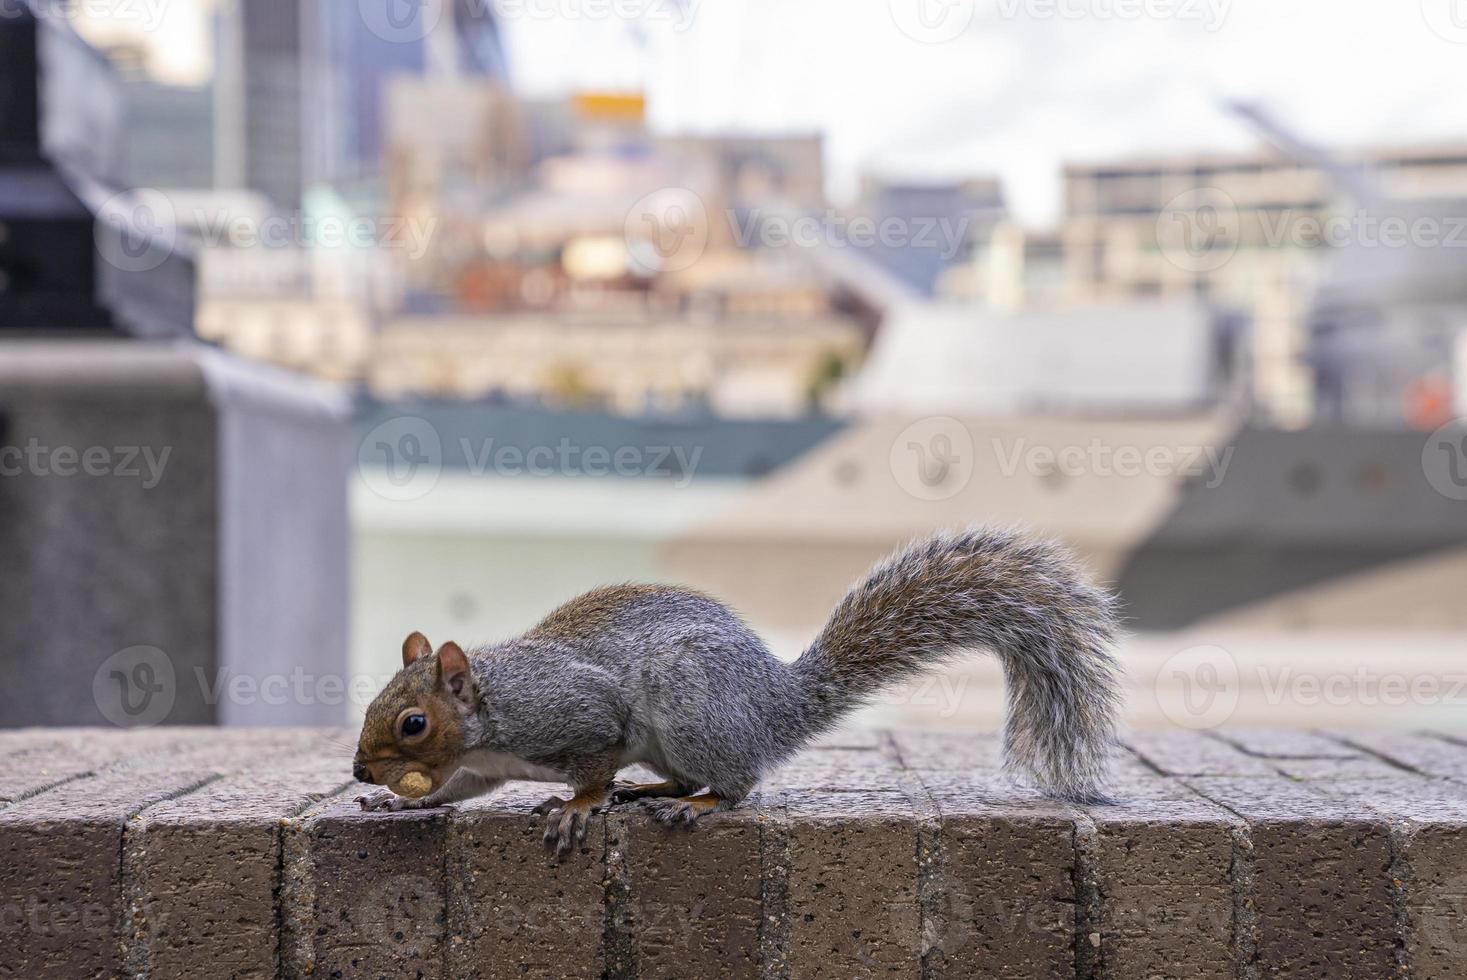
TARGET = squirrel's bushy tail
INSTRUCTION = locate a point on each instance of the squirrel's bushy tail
(1027, 602)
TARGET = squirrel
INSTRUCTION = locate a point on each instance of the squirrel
(674, 680)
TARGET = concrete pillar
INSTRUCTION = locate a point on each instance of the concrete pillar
(173, 532)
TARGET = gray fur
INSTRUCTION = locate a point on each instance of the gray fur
(674, 680)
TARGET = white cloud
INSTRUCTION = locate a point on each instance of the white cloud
(1021, 95)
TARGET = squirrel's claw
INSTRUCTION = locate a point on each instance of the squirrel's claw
(631, 792)
(548, 807)
(566, 828)
(566, 821)
(670, 812)
(380, 800)
(385, 799)
(683, 809)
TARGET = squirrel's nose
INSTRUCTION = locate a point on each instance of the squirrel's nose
(360, 772)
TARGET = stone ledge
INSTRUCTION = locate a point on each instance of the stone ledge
(1237, 854)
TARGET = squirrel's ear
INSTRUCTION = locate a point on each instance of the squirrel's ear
(454, 676)
(415, 648)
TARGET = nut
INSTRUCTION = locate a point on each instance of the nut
(414, 785)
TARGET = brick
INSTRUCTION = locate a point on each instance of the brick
(1184, 753)
(38, 759)
(952, 751)
(1430, 845)
(203, 851)
(1161, 862)
(1322, 879)
(837, 771)
(60, 871)
(15, 741)
(377, 892)
(1433, 847)
(40, 770)
(852, 889)
(1281, 743)
(694, 895)
(848, 737)
(1428, 754)
(1004, 899)
(1327, 770)
(238, 750)
(514, 911)
(205, 870)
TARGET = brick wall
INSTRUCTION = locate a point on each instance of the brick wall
(205, 852)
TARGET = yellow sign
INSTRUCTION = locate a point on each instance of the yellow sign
(626, 106)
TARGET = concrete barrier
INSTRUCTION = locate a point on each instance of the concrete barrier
(205, 851)
(175, 532)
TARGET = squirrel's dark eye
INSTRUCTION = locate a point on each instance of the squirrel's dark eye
(414, 724)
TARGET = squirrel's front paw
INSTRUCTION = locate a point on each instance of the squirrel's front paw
(385, 799)
(565, 823)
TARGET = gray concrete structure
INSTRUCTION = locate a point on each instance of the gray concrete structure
(174, 529)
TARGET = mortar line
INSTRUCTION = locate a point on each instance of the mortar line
(930, 854)
(132, 937)
(618, 942)
(1401, 764)
(1142, 757)
(1399, 831)
(774, 871)
(1446, 737)
(1089, 909)
(1242, 876)
(46, 788)
(294, 891)
(1218, 736)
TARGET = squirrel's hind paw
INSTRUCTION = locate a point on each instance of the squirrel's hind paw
(684, 809)
(547, 807)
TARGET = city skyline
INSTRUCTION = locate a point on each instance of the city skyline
(1154, 84)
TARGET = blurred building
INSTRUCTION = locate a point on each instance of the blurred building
(166, 134)
(772, 170)
(259, 111)
(922, 230)
(735, 365)
(1013, 268)
(358, 60)
(1247, 232)
(301, 292)
(165, 126)
(301, 87)
(328, 338)
(511, 188)
(1109, 360)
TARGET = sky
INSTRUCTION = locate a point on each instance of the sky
(950, 88)
(1017, 87)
